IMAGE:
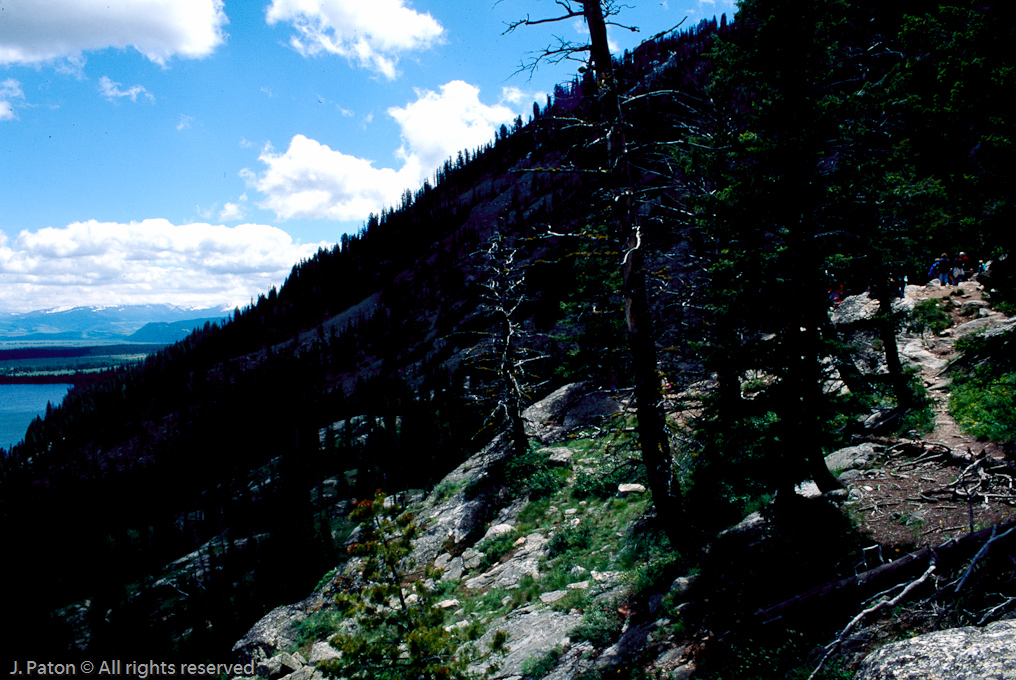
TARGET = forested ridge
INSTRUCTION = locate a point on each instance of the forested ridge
(800, 148)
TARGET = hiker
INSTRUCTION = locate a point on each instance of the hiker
(836, 293)
(942, 268)
(961, 267)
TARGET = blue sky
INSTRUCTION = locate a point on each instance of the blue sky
(191, 151)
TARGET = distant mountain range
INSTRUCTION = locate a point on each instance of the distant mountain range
(105, 325)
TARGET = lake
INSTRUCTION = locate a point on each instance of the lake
(19, 404)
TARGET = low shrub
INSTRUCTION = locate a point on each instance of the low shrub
(929, 315)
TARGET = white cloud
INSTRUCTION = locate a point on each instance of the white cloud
(437, 125)
(38, 32)
(111, 90)
(373, 34)
(234, 212)
(312, 181)
(9, 89)
(152, 261)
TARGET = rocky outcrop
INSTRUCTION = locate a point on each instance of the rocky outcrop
(450, 520)
(276, 631)
(956, 654)
(532, 631)
(454, 521)
(524, 562)
(859, 308)
(570, 407)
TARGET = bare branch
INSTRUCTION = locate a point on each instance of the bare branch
(882, 604)
(512, 25)
(633, 29)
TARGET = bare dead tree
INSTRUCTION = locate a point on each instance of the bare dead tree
(654, 441)
(509, 359)
(595, 13)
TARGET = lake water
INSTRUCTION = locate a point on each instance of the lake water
(19, 404)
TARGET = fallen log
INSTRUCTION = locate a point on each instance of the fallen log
(853, 589)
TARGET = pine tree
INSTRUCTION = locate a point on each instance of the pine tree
(397, 631)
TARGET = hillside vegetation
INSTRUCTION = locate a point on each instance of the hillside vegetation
(671, 229)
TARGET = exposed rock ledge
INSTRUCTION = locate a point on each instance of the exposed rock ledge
(987, 653)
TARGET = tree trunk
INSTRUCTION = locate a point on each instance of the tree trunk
(887, 335)
(849, 591)
(652, 431)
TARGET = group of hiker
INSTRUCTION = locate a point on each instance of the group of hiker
(950, 272)
(946, 270)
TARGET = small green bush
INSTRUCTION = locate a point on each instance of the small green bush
(318, 626)
(531, 472)
(535, 667)
(930, 315)
(495, 548)
(569, 539)
(600, 626)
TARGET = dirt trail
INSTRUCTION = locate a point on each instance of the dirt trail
(947, 430)
(910, 498)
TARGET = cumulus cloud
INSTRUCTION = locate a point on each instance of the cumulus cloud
(371, 34)
(152, 261)
(312, 180)
(38, 32)
(234, 212)
(10, 89)
(111, 90)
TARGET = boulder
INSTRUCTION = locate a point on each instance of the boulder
(553, 596)
(956, 654)
(853, 309)
(471, 559)
(916, 353)
(454, 570)
(851, 457)
(623, 490)
(985, 323)
(280, 665)
(560, 456)
(454, 519)
(570, 407)
(498, 530)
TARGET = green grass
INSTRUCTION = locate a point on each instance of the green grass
(984, 404)
(984, 388)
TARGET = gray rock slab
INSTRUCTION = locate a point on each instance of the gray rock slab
(498, 530)
(956, 654)
(322, 651)
(570, 407)
(275, 631)
(530, 633)
(454, 570)
(553, 596)
(916, 353)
